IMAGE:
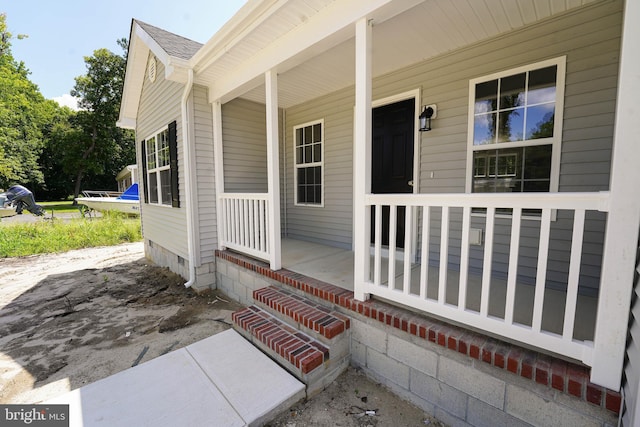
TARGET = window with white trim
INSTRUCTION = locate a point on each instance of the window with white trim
(161, 167)
(308, 142)
(515, 128)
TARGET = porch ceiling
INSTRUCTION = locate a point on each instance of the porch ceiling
(405, 32)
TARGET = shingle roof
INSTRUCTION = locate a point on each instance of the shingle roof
(173, 44)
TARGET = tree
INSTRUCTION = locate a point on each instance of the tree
(94, 148)
(23, 114)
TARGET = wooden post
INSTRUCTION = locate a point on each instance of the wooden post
(273, 170)
(218, 160)
(621, 239)
(362, 157)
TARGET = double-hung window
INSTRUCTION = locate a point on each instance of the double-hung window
(515, 128)
(161, 167)
(308, 163)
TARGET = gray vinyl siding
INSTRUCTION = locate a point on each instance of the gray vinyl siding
(159, 106)
(590, 39)
(330, 224)
(202, 119)
(245, 147)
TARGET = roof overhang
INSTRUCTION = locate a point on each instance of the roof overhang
(140, 44)
(310, 45)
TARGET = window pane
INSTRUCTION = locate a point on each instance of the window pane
(511, 125)
(317, 172)
(165, 186)
(512, 91)
(153, 187)
(308, 157)
(163, 149)
(298, 155)
(486, 97)
(318, 194)
(317, 153)
(542, 85)
(479, 165)
(537, 162)
(151, 153)
(302, 176)
(308, 137)
(302, 194)
(317, 133)
(310, 176)
(484, 129)
(299, 139)
(540, 121)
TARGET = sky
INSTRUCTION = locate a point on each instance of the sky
(61, 33)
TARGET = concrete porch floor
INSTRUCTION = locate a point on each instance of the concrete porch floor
(335, 266)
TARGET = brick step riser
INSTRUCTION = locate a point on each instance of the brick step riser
(333, 330)
(323, 324)
(305, 358)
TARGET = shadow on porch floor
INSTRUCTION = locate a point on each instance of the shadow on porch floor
(335, 266)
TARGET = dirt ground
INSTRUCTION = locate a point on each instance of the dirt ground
(67, 320)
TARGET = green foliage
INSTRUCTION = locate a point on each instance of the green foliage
(51, 236)
(93, 145)
(51, 149)
(24, 113)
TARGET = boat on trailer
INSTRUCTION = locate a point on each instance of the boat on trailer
(127, 202)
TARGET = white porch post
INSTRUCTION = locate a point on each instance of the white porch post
(362, 157)
(273, 170)
(621, 239)
(218, 161)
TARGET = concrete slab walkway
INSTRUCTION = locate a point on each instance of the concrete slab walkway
(222, 380)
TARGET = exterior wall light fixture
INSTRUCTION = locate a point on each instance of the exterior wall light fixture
(428, 113)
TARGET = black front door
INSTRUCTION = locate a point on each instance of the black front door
(392, 159)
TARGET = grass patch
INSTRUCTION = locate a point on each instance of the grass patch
(59, 207)
(56, 235)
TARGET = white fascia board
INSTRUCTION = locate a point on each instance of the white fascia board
(339, 16)
(133, 81)
(250, 16)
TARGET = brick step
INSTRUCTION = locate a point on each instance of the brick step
(312, 318)
(309, 360)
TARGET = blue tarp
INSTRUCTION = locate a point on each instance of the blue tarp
(130, 193)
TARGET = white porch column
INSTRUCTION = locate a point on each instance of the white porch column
(362, 157)
(273, 170)
(621, 239)
(218, 161)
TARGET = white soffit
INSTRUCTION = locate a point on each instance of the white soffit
(430, 28)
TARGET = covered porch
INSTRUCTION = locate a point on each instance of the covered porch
(521, 278)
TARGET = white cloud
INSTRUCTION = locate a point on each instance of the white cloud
(67, 100)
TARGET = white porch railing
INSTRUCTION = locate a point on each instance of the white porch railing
(414, 289)
(245, 221)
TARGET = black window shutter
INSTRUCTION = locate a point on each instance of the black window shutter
(173, 162)
(144, 172)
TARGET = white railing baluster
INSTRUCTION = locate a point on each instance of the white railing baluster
(408, 244)
(252, 224)
(487, 263)
(424, 256)
(514, 251)
(444, 254)
(464, 258)
(574, 275)
(392, 246)
(377, 262)
(261, 244)
(541, 273)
